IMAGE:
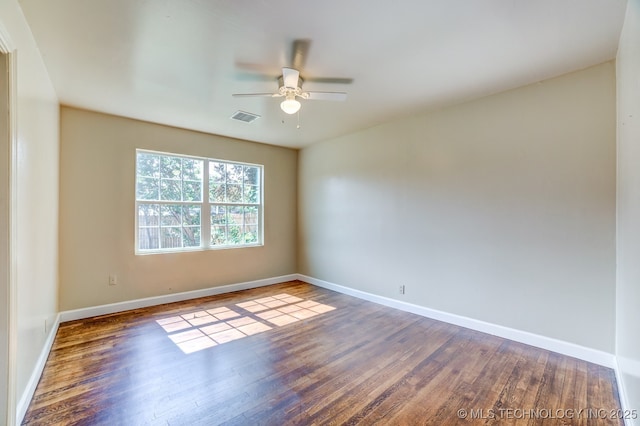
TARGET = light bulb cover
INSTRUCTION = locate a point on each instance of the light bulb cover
(290, 105)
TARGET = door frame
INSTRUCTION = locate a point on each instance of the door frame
(8, 216)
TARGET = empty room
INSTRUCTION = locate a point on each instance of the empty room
(306, 213)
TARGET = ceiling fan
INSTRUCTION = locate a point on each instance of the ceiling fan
(290, 83)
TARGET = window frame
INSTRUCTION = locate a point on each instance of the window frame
(205, 205)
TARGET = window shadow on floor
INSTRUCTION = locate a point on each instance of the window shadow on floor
(195, 331)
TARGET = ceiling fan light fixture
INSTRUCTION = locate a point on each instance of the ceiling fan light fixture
(290, 105)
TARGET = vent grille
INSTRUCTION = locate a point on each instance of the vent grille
(247, 117)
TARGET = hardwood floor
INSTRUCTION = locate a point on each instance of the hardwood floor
(293, 353)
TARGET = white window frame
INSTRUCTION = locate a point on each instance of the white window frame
(205, 207)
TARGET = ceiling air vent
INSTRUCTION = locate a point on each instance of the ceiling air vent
(247, 117)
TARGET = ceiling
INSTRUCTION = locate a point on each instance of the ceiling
(177, 62)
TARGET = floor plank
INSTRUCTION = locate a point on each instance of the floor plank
(297, 354)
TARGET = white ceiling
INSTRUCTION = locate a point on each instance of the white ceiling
(177, 62)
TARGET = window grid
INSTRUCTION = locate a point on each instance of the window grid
(234, 195)
(171, 214)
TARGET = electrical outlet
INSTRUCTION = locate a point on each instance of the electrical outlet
(401, 289)
(113, 279)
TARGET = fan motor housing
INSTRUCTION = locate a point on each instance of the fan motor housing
(281, 83)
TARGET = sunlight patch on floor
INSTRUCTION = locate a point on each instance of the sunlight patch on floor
(203, 329)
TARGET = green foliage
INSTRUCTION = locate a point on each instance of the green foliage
(234, 225)
(233, 183)
(167, 178)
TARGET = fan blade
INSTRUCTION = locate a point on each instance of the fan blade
(290, 77)
(326, 96)
(330, 80)
(248, 76)
(254, 95)
(299, 53)
(256, 68)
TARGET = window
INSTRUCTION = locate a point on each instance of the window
(174, 215)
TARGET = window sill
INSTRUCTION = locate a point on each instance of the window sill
(195, 249)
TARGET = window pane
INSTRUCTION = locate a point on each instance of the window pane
(148, 238)
(218, 215)
(191, 191)
(216, 172)
(191, 215)
(148, 215)
(191, 236)
(217, 193)
(235, 236)
(251, 175)
(192, 169)
(171, 216)
(235, 173)
(170, 167)
(251, 215)
(234, 193)
(251, 194)
(148, 165)
(218, 235)
(170, 237)
(250, 225)
(236, 215)
(235, 228)
(250, 234)
(170, 190)
(147, 188)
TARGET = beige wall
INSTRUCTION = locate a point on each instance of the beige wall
(36, 221)
(501, 209)
(628, 271)
(97, 213)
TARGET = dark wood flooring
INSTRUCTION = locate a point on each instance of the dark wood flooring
(297, 354)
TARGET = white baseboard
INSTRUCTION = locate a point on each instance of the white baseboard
(630, 367)
(621, 391)
(112, 308)
(565, 348)
(27, 395)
